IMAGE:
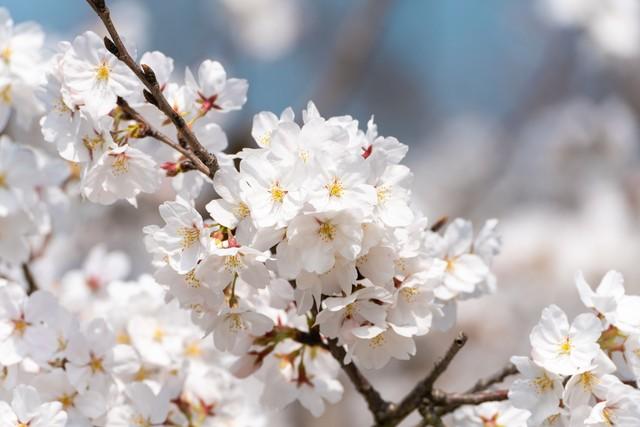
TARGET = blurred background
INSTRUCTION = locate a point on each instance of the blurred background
(522, 110)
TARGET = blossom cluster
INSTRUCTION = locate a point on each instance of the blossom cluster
(114, 157)
(316, 229)
(143, 363)
(584, 372)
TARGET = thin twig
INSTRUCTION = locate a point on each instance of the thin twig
(154, 91)
(377, 405)
(423, 389)
(154, 133)
(496, 378)
(449, 402)
(32, 285)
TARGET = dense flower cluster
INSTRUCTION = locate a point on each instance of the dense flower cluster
(316, 227)
(584, 372)
(142, 364)
(313, 254)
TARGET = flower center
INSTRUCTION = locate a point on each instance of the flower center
(102, 72)
(232, 263)
(235, 323)
(158, 335)
(383, 194)
(409, 294)
(543, 383)
(588, 380)
(265, 140)
(95, 363)
(120, 165)
(335, 188)
(191, 279)
(277, 193)
(327, 231)
(20, 326)
(140, 421)
(242, 210)
(5, 94)
(189, 235)
(566, 347)
(3, 180)
(5, 54)
(377, 341)
(193, 349)
(67, 400)
(91, 143)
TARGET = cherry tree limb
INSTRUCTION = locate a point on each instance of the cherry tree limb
(32, 285)
(148, 130)
(496, 378)
(423, 389)
(153, 93)
(377, 405)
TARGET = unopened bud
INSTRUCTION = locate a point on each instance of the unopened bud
(149, 74)
(149, 97)
(111, 46)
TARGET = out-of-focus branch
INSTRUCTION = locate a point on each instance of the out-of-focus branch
(377, 405)
(423, 389)
(448, 402)
(153, 93)
(32, 285)
(496, 378)
(355, 44)
(148, 130)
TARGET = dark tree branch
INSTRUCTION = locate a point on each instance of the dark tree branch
(496, 378)
(32, 285)
(377, 405)
(422, 390)
(153, 94)
(148, 130)
(449, 402)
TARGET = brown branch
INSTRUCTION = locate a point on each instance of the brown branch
(377, 405)
(423, 389)
(496, 378)
(154, 92)
(149, 130)
(449, 402)
(32, 285)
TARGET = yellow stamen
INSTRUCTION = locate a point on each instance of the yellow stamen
(566, 347)
(193, 349)
(543, 383)
(409, 294)
(95, 363)
(265, 141)
(327, 231)
(232, 263)
(120, 165)
(123, 338)
(5, 54)
(235, 323)
(277, 193)
(3, 180)
(383, 194)
(158, 335)
(20, 326)
(335, 188)
(242, 210)
(5, 94)
(377, 341)
(190, 235)
(191, 279)
(67, 400)
(102, 72)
